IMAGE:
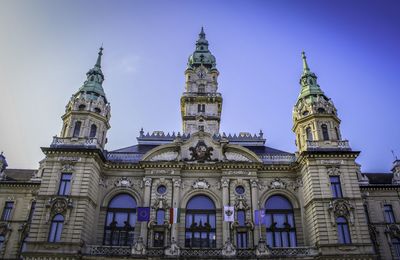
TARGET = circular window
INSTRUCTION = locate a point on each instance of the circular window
(161, 189)
(239, 190)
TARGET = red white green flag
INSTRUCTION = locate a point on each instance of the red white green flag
(174, 215)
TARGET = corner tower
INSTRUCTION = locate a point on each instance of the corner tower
(315, 120)
(201, 103)
(87, 114)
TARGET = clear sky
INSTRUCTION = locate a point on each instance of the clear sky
(46, 47)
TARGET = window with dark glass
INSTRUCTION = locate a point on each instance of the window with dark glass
(77, 129)
(93, 130)
(279, 221)
(325, 134)
(241, 240)
(1, 241)
(343, 231)
(336, 187)
(158, 239)
(201, 108)
(160, 214)
(309, 134)
(200, 226)
(396, 246)
(7, 210)
(161, 189)
(239, 190)
(120, 221)
(56, 228)
(65, 184)
(82, 107)
(389, 214)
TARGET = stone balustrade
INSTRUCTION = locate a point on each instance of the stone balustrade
(328, 145)
(59, 142)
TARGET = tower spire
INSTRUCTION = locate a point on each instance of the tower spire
(306, 69)
(202, 35)
(98, 62)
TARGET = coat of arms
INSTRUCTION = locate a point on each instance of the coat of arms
(201, 152)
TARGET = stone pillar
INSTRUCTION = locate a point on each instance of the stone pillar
(175, 204)
(254, 206)
(146, 203)
(225, 202)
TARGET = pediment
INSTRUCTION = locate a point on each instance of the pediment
(201, 147)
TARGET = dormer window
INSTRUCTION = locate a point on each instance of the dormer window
(305, 113)
(81, 107)
(97, 110)
(321, 110)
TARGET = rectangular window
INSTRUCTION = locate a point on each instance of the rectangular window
(65, 184)
(7, 211)
(336, 187)
(389, 215)
(201, 108)
(158, 239)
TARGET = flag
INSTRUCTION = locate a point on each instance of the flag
(229, 213)
(259, 216)
(143, 214)
(174, 215)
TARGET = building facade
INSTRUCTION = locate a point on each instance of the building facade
(199, 193)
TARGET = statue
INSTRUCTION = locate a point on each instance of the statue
(228, 249)
(138, 248)
(262, 248)
(173, 249)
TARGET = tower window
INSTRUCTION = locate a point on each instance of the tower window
(321, 110)
(202, 88)
(93, 130)
(337, 133)
(7, 211)
(65, 184)
(309, 134)
(201, 108)
(343, 231)
(77, 129)
(97, 110)
(81, 107)
(325, 134)
(396, 246)
(56, 228)
(336, 187)
(389, 215)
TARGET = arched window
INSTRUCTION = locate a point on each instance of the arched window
(343, 231)
(325, 134)
(200, 222)
(309, 134)
(93, 130)
(56, 228)
(81, 107)
(77, 129)
(120, 221)
(279, 218)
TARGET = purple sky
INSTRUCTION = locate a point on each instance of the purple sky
(47, 47)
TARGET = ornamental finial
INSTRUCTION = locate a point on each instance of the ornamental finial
(202, 35)
(98, 62)
(305, 65)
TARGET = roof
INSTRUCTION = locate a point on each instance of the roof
(379, 178)
(19, 174)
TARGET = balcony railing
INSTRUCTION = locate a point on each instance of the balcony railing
(75, 142)
(328, 145)
(100, 250)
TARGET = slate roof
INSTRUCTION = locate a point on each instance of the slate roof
(19, 174)
(265, 150)
(379, 178)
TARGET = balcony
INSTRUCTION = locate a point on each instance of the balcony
(125, 251)
(331, 145)
(72, 142)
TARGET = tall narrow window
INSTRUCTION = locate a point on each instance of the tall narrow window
(202, 88)
(241, 240)
(120, 221)
(200, 226)
(65, 184)
(160, 214)
(93, 130)
(336, 187)
(343, 231)
(309, 134)
(281, 231)
(77, 129)
(1, 241)
(158, 239)
(389, 215)
(201, 108)
(337, 133)
(31, 211)
(241, 217)
(396, 246)
(56, 228)
(7, 211)
(325, 134)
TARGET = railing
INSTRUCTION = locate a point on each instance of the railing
(75, 141)
(278, 158)
(293, 251)
(100, 250)
(123, 157)
(108, 250)
(322, 145)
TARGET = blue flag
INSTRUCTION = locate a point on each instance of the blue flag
(259, 217)
(143, 213)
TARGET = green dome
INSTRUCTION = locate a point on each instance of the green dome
(202, 54)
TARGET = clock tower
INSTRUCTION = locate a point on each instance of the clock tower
(201, 103)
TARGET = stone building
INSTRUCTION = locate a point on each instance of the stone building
(199, 193)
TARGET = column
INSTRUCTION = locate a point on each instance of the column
(175, 204)
(225, 202)
(254, 206)
(146, 203)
